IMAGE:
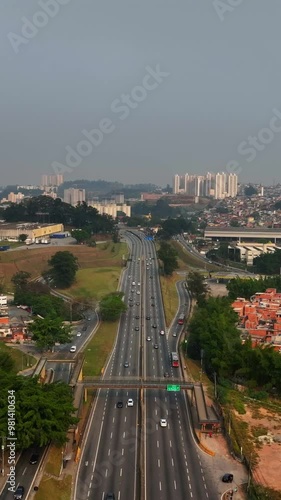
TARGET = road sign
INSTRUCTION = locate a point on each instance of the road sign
(174, 388)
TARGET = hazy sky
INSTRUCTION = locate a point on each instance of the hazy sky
(197, 78)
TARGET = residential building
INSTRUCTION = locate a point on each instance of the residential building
(73, 196)
(111, 209)
(51, 180)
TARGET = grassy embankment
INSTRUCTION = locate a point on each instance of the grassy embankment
(21, 360)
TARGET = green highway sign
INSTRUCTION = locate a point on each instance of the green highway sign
(174, 388)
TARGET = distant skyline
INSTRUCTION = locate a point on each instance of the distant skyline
(136, 92)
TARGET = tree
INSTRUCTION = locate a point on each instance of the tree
(63, 269)
(250, 191)
(48, 331)
(197, 286)
(6, 362)
(23, 237)
(44, 413)
(81, 235)
(20, 279)
(168, 255)
(112, 306)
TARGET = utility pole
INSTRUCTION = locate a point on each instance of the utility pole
(70, 311)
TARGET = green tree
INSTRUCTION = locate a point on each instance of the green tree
(46, 332)
(20, 280)
(168, 255)
(250, 191)
(81, 235)
(6, 362)
(112, 306)
(23, 237)
(63, 268)
(40, 419)
(197, 286)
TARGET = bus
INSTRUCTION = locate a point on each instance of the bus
(175, 360)
(181, 319)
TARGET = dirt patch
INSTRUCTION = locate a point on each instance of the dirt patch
(261, 421)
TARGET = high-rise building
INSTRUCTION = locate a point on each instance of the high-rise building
(74, 196)
(176, 184)
(51, 180)
(232, 185)
(220, 185)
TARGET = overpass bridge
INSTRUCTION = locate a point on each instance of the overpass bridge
(206, 415)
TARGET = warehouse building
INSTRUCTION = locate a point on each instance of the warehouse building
(33, 230)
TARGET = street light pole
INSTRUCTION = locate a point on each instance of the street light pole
(3, 455)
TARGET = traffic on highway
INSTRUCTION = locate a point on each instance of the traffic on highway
(140, 443)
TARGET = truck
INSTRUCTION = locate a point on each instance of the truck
(59, 235)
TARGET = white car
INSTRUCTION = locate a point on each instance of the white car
(148, 338)
(163, 422)
(130, 402)
(73, 348)
(133, 283)
(138, 292)
(78, 334)
(162, 332)
(139, 284)
(174, 334)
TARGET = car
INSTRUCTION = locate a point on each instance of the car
(137, 303)
(148, 339)
(227, 478)
(131, 299)
(34, 458)
(89, 319)
(156, 346)
(154, 326)
(130, 402)
(151, 277)
(166, 374)
(139, 284)
(78, 334)
(163, 422)
(110, 496)
(147, 317)
(137, 328)
(138, 292)
(152, 297)
(137, 316)
(73, 348)
(132, 290)
(126, 364)
(162, 332)
(84, 328)
(152, 305)
(131, 305)
(119, 404)
(174, 334)
(18, 495)
(133, 283)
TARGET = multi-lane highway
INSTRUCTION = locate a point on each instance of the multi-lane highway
(114, 453)
(109, 461)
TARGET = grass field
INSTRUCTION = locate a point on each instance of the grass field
(170, 296)
(99, 348)
(35, 260)
(21, 360)
(54, 489)
(94, 283)
(54, 461)
(187, 260)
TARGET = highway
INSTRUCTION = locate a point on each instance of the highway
(173, 462)
(110, 458)
(109, 461)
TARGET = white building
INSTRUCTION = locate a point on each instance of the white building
(111, 209)
(73, 196)
(232, 185)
